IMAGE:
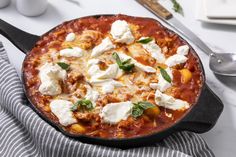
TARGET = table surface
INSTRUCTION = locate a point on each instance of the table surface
(222, 138)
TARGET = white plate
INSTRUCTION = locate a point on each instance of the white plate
(201, 15)
(220, 8)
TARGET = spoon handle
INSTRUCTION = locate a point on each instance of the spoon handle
(196, 40)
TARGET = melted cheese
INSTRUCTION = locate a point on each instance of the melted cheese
(91, 95)
(103, 78)
(115, 112)
(72, 52)
(50, 87)
(155, 50)
(175, 60)
(50, 75)
(121, 32)
(51, 71)
(140, 66)
(104, 46)
(153, 85)
(179, 57)
(95, 72)
(62, 110)
(108, 85)
(170, 102)
(70, 37)
(108, 88)
(105, 81)
(183, 50)
(162, 84)
(92, 62)
(145, 68)
(110, 72)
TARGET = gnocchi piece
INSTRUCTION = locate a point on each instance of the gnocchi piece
(152, 112)
(78, 128)
(186, 75)
(47, 108)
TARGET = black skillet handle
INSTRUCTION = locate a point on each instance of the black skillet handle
(22, 40)
(204, 114)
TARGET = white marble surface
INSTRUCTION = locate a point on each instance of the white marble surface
(222, 138)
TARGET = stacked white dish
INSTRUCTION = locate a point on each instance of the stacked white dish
(216, 11)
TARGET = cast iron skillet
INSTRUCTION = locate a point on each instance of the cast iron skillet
(200, 118)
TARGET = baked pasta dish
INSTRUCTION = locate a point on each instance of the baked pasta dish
(112, 76)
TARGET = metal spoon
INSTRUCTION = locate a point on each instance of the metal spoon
(220, 63)
(223, 63)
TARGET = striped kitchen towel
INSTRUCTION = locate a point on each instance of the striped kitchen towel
(24, 134)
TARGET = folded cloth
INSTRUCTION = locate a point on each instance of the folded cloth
(24, 134)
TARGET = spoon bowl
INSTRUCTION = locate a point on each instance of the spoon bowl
(223, 63)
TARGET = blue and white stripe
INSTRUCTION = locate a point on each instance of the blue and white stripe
(24, 134)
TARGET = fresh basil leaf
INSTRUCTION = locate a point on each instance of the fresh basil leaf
(140, 107)
(177, 7)
(137, 111)
(63, 65)
(144, 41)
(87, 103)
(84, 103)
(145, 105)
(74, 107)
(117, 58)
(126, 61)
(164, 74)
(125, 65)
